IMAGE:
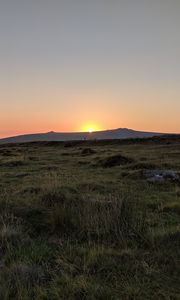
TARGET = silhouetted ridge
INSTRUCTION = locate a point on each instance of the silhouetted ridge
(120, 133)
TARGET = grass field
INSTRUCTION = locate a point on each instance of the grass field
(80, 220)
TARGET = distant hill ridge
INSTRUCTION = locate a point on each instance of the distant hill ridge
(120, 133)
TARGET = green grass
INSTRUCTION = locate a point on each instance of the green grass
(79, 220)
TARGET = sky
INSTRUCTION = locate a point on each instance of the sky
(72, 65)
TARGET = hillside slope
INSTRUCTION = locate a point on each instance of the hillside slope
(120, 133)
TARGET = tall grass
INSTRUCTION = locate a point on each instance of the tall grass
(75, 231)
(110, 218)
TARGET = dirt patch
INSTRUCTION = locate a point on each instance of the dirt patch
(115, 160)
(88, 151)
(49, 168)
(31, 190)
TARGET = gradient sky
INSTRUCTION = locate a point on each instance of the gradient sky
(66, 65)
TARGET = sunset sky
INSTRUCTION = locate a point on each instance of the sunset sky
(72, 65)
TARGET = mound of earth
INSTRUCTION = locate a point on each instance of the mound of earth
(115, 160)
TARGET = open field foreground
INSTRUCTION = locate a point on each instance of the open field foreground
(90, 220)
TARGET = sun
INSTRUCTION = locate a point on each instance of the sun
(90, 130)
(90, 127)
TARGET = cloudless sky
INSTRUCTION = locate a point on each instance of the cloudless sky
(66, 65)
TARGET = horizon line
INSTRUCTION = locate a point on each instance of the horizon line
(85, 132)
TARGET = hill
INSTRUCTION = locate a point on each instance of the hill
(120, 133)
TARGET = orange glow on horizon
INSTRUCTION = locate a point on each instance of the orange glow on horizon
(90, 127)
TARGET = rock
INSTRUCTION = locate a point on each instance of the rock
(161, 175)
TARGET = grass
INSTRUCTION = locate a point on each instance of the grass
(80, 220)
